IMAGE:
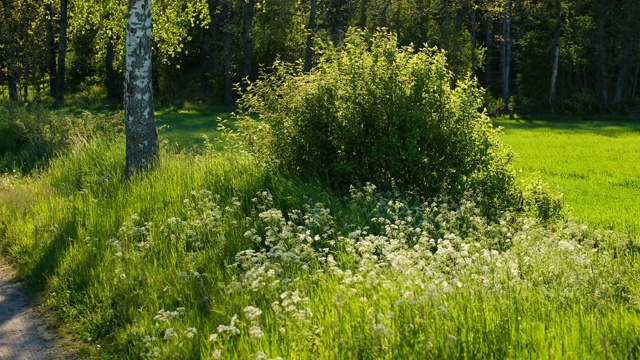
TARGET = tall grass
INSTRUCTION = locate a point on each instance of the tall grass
(211, 256)
(31, 134)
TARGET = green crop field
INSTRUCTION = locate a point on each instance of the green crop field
(596, 165)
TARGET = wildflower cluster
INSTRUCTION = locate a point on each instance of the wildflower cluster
(407, 258)
(309, 282)
(200, 226)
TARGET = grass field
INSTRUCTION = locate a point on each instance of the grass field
(185, 128)
(596, 165)
(210, 256)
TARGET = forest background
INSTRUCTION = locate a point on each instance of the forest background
(562, 57)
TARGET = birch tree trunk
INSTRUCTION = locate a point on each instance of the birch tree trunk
(142, 137)
(62, 52)
(308, 55)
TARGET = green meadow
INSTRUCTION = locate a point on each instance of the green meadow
(211, 256)
(187, 128)
(595, 164)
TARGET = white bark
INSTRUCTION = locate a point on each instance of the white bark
(142, 137)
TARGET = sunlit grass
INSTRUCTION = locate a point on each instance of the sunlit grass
(186, 128)
(143, 273)
(155, 266)
(596, 165)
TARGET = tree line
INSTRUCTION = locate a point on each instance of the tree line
(561, 56)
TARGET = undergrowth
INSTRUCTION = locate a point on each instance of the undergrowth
(31, 134)
(214, 257)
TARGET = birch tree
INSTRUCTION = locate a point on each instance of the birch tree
(142, 137)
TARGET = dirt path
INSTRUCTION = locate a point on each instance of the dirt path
(23, 335)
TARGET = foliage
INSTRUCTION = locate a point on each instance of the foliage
(265, 266)
(579, 103)
(32, 134)
(371, 112)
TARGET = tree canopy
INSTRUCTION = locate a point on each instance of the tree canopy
(562, 56)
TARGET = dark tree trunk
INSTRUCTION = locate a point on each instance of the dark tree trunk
(446, 28)
(556, 53)
(142, 137)
(505, 56)
(311, 28)
(363, 12)
(228, 85)
(335, 19)
(423, 10)
(635, 81)
(25, 82)
(9, 50)
(474, 24)
(627, 49)
(113, 78)
(62, 52)
(211, 41)
(52, 49)
(487, 69)
(603, 81)
(247, 38)
(579, 85)
(385, 14)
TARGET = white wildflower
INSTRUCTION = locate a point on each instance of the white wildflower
(255, 332)
(170, 333)
(190, 332)
(252, 313)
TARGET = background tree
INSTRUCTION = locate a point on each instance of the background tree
(9, 44)
(62, 52)
(142, 138)
(562, 56)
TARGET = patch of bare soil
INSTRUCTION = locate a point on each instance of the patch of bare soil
(23, 335)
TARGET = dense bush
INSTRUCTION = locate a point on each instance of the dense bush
(372, 112)
(32, 134)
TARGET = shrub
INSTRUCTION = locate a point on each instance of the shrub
(372, 112)
(31, 134)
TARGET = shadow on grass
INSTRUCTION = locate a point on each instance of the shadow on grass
(608, 128)
(53, 254)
